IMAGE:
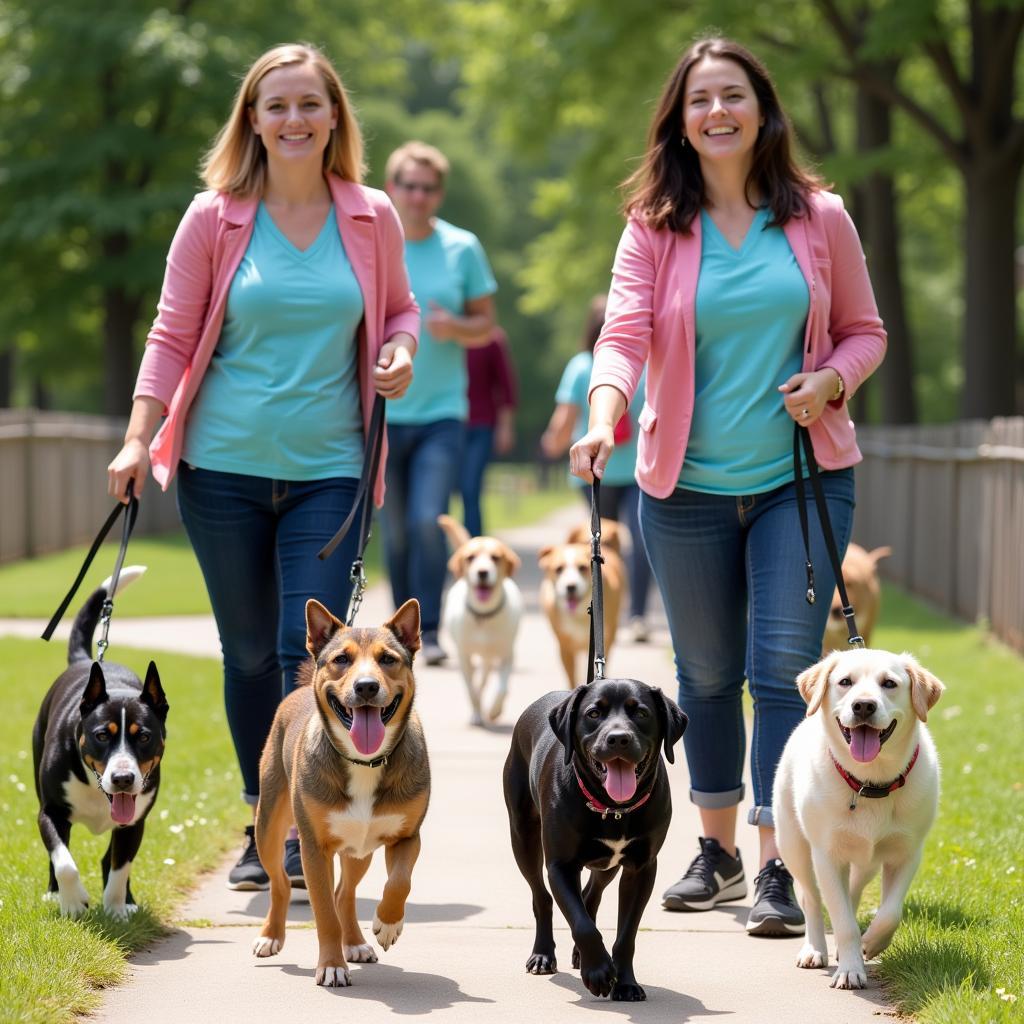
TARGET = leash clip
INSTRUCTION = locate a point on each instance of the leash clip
(105, 614)
(357, 577)
(856, 795)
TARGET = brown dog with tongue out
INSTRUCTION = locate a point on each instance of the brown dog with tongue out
(585, 787)
(346, 761)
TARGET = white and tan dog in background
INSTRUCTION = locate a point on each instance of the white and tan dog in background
(481, 614)
(565, 591)
(860, 574)
(856, 791)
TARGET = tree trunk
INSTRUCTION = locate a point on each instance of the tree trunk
(120, 314)
(881, 232)
(990, 341)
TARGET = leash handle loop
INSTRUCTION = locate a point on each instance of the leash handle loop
(595, 657)
(802, 435)
(131, 512)
(363, 507)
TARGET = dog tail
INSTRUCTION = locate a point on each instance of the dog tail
(80, 640)
(456, 533)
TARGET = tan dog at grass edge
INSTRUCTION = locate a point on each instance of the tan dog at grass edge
(866, 711)
(860, 574)
(565, 591)
(482, 609)
(345, 761)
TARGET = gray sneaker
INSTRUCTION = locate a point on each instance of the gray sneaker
(713, 877)
(433, 652)
(293, 863)
(248, 875)
(775, 911)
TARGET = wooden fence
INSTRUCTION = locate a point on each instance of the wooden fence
(53, 482)
(950, 501)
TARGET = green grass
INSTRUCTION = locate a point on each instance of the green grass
(962, 936)
(52, 967)
(173, 584)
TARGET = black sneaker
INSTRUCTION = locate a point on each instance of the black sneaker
(433, 652)
(712, 877)
(248, 873)
(293, 863)
(775, 910)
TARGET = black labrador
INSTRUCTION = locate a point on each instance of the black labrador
(586, 787)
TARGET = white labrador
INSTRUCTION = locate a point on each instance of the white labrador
(864, 728)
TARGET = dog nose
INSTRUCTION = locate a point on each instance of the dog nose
(366, 689)
(864, 708)
(481, 575)
(618, 738)
(123, 780)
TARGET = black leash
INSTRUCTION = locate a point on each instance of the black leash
(799, 432)
(363, 506)
(131, 512)
(595, 657)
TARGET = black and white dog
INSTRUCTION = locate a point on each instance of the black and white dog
(96, 747)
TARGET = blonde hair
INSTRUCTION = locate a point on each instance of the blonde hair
(236, 163)
(418, 152)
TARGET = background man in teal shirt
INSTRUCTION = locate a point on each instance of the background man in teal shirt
(453, 285)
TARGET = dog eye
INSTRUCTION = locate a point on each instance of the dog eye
(889, 684)
(143, 736)
(387, 659)
(594, 713)
(101, 735)
(845, 682)
(642, 712)
(342, 659)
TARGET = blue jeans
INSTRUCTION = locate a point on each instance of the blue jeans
(731, 574)
(256, 541)
(479, 445)
(422, 470)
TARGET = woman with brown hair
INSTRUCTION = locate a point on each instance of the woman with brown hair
(741, 284)
(285, 309)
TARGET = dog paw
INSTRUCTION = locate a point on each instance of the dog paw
(631, 992)
(496, 709)
(853, 977)
(121, 911)
(575, 958)
(333, 977)
(876, 940)
(387, 934)
(361, 954)
(811, 957)
(476, 718)
(74, 902)
(51, 897)
(266, 945)
(541, 963)
(599, 978)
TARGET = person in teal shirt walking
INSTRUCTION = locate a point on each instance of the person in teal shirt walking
(620, 494)
(453, 285)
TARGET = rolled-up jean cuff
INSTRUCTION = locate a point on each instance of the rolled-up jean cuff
(252, 799)
(714, 801)
(761, 816)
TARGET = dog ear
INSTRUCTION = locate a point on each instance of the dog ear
(95, 690)
(512, 560)
(925, 689)
(672, 720)
(321, 625)
(562, 718)
(877, 554)
(406, 625)
(153, 693)
(457, 563)
(544, 555)
(611, 536)
(813, 682)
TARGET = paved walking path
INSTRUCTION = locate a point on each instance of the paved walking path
(469, 927)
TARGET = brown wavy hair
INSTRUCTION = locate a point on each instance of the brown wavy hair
(667, 190)
(237, 162)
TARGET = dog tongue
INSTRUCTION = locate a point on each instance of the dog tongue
(122, 808)
(482, 593)
(865, 744)
(620, 784)
(367, 729)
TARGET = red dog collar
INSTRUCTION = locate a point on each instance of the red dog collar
(594, 804)
(873, 792)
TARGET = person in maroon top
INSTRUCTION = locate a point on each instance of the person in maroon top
(493, 396)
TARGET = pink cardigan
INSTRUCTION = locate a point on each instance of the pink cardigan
(650, 317)
(207, 250)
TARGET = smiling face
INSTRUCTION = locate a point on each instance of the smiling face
(484, 563)
(721, 114)
(363, 678)
(417, 192)
(869, 698)
(568, 568)
(293, 115)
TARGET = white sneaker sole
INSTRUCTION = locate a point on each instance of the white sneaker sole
(733, 891)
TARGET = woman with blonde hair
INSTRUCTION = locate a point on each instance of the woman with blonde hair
(285, 309)
(741, 285)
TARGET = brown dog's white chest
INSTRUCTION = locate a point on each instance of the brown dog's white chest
(358, 830)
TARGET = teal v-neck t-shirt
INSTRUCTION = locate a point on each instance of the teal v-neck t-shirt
(280, 397)
(751, 311)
